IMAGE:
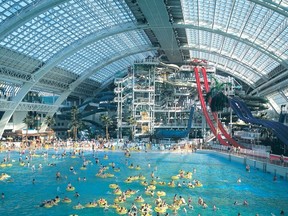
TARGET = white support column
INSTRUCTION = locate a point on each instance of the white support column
(18, 98)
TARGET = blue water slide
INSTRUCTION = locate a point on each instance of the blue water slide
(111, 106)
(101, 96)
(283, 128)
(177, 134)
(282, 117)
(243, 112)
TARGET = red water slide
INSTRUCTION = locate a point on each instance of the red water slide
(215, 116)
(204, 109)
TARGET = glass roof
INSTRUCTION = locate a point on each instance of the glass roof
(104, 49)
(245, 38)
(8, 89)
(48, 33)
(279, 98)
(11, 8)
(246, 20)
(118, 66)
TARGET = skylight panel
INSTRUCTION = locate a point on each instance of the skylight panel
(240, 49)
(192, 36)
(204, 38)
(110, 70)
(190, 11)
(104, 49)
(278, 98)
(67, 22)
(280, 43)
(228, 45)
(216, 41)
(249, 55)
(11, 8)
(206, 13)
(223, 9)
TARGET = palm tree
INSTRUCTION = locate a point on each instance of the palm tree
(76, 122)
(49, 121)
(216, 98)
(132, 122)
(29, 121)
(107, 121)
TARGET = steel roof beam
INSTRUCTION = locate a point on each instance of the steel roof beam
(270, 82)
(237, 38)
(272, 6)
(26, 15)
(156, 14)
(247, 81)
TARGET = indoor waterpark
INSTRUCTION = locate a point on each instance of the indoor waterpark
(143, 107)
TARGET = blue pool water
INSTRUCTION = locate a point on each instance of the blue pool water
(218, 176)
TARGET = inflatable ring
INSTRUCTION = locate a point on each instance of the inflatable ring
(150, 193)
(145, 214)
(175, 177)
(66, 200)
(161, 193)
(151, 187)
(119, 200)
(83, 168)
(128, 180)
(135, 177)
(119, 192)
(121, 211)
(161, 183)
(48, 205)
(79, 206)
(139, 200)
(130, 192)
(102, 203)
(70, 188)
(174, 207)
(113, 186)
(109, 175)
(115, 205)
(160, 209)
(141, 177)
(90, 205)
(144, 183)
